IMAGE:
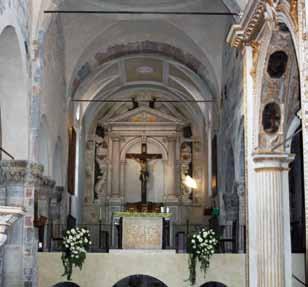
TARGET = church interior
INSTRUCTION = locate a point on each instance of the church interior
(145, 122)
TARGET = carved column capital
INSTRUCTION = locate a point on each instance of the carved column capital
(8, 216)
(272, 161)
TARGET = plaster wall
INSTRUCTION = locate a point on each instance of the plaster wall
(186, 33)
(14, 94)
(230, 134)
(172, 269)
(53, 101)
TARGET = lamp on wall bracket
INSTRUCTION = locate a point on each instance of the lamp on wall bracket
(191, 184)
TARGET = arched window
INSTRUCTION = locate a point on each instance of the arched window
(140, 281)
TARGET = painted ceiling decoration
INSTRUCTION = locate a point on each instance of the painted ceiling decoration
(136, 70)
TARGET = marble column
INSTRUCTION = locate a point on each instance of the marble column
(272, 245)
(171, 168)
(115, 188)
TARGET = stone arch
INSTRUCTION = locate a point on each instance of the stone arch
(213, 284)
(139, 280)
(204, 70)
(13, 95)
(43, 145)
(66, 284)
(138, 140)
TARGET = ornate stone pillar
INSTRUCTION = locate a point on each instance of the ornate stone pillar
(19, 182)
(171, 168)
(272, 246)
(115, 188)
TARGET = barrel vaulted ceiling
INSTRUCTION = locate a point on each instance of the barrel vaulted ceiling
(198, 39)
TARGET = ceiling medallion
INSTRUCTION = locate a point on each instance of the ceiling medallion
(145, 70)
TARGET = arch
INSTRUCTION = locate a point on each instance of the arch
(134, 141)
(43, 145)
(66, 284)
(213, 284)
(13, 96)
(138, 281)
(203, 69)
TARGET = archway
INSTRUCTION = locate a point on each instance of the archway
(66, 284)
(213, 284)
(13, 96)
(140, 281)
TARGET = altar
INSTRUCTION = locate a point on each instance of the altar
(140, 230)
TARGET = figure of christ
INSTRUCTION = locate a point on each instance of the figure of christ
(143, 158)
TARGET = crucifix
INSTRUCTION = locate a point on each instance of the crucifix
(143, 158)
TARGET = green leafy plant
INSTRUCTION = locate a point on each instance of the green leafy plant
(76, 243)
(201, 248)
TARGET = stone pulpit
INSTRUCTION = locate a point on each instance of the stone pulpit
(142, 230)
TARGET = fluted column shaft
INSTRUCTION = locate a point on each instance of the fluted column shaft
(271, 243)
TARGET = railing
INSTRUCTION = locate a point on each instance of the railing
(299, 280)
(103, 237)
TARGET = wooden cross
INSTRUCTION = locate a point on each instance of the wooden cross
(143, 158)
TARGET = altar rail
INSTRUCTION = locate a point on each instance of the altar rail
(101, 236)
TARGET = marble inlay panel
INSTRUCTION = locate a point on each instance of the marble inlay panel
(142, 233)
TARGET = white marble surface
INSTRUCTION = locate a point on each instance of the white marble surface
(107, 269)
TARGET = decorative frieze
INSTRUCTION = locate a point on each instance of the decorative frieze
(19, 172)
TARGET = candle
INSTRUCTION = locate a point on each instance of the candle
(167, 210)
(162, 209)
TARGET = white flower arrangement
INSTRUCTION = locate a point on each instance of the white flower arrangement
(76, 242)
(202, 246)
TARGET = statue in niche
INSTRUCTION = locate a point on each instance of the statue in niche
(101, 166)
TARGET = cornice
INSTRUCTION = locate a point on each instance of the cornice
(253, 18)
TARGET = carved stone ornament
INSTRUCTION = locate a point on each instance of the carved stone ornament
(8, 216)
(255, 15)
(20, 172)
